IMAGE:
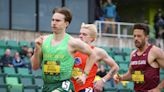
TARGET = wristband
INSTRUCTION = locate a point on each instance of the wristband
(104, 80)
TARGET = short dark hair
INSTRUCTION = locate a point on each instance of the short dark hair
(65, 11)
(142, 26)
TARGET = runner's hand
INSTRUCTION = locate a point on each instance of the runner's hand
(98, 87)
(38, 42)
(81, 79)
(117, 78)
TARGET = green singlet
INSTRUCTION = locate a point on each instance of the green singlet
(57, 65)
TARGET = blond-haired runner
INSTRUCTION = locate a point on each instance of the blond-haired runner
(88, 34)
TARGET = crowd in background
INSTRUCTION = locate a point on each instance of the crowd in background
(19, 59)
(106, 11)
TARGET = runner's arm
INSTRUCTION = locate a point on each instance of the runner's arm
(37, 56)
(159, 56)
(109, 61)
(80, 46)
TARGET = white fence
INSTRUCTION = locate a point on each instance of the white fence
(123, 34)
(122, 29)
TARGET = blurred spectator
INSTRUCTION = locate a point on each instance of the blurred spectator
(101, 71)
(110, 15)
(27, 58)
(23, 52)
(98, 10)
(103, 3)
(6, 59)
(17, 61)
(159, 24)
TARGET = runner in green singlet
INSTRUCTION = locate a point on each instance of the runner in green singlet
(55, 52)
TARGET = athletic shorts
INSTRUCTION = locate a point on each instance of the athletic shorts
(62, 86)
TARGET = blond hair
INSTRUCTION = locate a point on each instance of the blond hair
(92, 28)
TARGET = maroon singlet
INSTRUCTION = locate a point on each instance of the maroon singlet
(140, 67)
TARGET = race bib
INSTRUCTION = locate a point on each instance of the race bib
(88, 89)
(138, 77)
(76, 72)
(51, 68)
(66, 85)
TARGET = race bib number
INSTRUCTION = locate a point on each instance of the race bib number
(66, 85)
(76, 72)
(51, 68)
(88, 89)
(138, 77)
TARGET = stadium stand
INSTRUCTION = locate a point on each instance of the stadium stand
(12, 44)
(3, 44)
(24, 43)
(22, 80)
(2, 51)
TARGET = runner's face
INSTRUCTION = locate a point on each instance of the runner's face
(58, 22)
(139, 38)
(85, 35)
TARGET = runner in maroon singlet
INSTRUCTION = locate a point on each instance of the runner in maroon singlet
(145, 63)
